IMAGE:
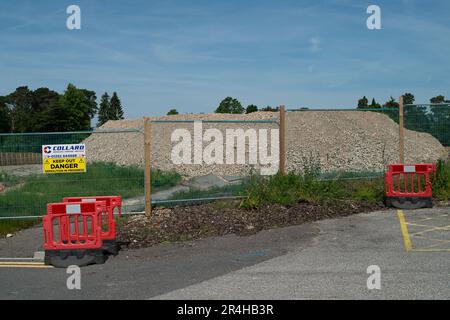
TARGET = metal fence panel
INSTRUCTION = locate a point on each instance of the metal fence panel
(25, 190)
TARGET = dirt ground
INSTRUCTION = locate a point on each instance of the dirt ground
(217, 219)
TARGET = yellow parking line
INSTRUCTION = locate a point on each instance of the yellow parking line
(431, 250)
(21, 264)
(27, 263)
(404, 228)
(25, 266)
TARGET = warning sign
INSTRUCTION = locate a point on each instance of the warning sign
(64, 158)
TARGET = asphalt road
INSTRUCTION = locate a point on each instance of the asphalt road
(323, 260)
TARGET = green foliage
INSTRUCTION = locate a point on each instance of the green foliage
(71, 111)
(391, 103)
(230, 105)
(408, 98)
(116, 111)
(20, 102)
(294, 187)
(251, 108)
(103, 112)
(270, 109)
(5, 117)
(8, 180)
(12, 226)
(172, 112)
(439, 127)
(42, 110)
(164, 179)
(363, 103)
(374, 104)
(441, 184)
(439, 99)
(110, 109)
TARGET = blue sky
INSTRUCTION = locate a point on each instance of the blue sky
(190, 54)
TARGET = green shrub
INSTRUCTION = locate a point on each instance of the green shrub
(293, 188)
(441, 184)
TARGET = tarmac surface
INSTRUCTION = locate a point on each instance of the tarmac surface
(327, 259)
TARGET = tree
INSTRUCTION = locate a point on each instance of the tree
(363, 103)
(230, 105)
(270, 109)
(172, 112)
(41, 100)
(408, 98)
(72, 111)
(92, 99)
(391, 103)
(104, 110)
(5, 117)
(116, 108)
(438, 99)
(440, 119)
(251, 108)
(20, 102)
(374, 104)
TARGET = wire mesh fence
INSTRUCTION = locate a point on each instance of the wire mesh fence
(433, 119)
(196, 158)
(215, 155)
(342, 143)
(26, 190)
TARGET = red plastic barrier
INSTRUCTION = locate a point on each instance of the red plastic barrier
(107, 221)
(409, 180)
(62, 229)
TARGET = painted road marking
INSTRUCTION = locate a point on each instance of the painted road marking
(15, 264)
(407, 236)
(404, 229)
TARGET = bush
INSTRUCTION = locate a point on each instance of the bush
(293, 188)
(441, 184)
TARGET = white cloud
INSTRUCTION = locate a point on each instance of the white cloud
(315, 44)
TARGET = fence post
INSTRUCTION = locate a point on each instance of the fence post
(282, 136)
(401, 124)
(147, 166)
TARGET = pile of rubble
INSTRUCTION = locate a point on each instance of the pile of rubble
(334, 140)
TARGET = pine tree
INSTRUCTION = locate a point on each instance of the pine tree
(363, 103)
(103, 112)
(116, 108)
(251, 108)
(172, 112)
(374, 104)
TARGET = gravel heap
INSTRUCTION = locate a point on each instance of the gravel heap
(339, 141)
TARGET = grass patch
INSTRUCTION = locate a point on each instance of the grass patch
(8, 180)
(12, 226)
(293, 188)
(100, 179)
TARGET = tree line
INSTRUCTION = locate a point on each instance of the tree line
(45, 110)
(408, 99)
(233, 106)
(433, 118)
